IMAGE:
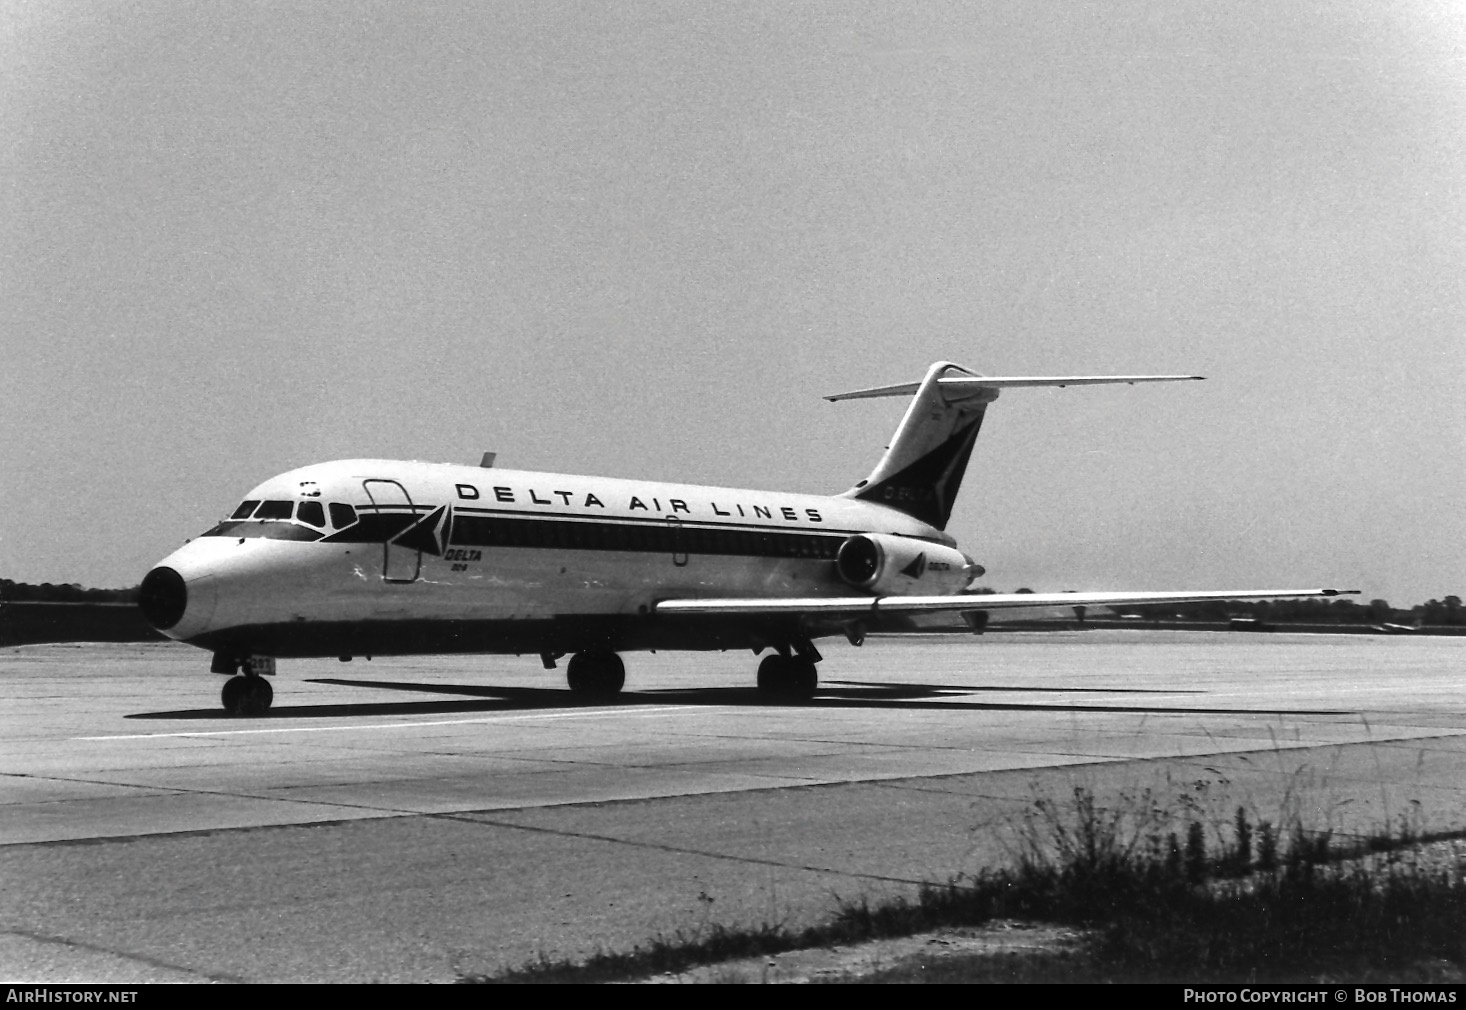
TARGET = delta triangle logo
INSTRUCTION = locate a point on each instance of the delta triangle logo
(423, 534)
(917, 568)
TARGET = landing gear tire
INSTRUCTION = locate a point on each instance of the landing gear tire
(596, 674)
(258, 696)
(247, 696)
(787, 678)
(233, 695)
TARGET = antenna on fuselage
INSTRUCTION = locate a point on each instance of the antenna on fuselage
(488, 460)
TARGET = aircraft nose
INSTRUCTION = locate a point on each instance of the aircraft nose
(163, 597)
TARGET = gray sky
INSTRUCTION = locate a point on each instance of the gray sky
(641, 239)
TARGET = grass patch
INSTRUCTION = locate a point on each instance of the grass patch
(1164, 898)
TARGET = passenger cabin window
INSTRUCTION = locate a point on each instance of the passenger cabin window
(342, 515)
(311, 512)
(244, 510)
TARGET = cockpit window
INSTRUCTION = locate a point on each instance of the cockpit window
(311, 512)
(251, 530)
(275, 510)
(276, 519)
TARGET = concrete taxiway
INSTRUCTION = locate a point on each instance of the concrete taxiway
(412, 819)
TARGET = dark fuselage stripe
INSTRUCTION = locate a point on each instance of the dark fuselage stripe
(665, 538)
(655, 520)
(480, 527)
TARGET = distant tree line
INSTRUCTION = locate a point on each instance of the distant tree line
(1336, 610)
(48, 592)
(1317, 610)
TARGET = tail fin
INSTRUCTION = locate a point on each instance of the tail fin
(922, 469)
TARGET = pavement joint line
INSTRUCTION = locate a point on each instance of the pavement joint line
(380, 811)
(151, 962)
(383, 812)
(481, 817)
(678, 849)
(223, 793)
(536, 716)
(1068, 761)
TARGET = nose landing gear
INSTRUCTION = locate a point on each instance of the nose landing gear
(249, 693)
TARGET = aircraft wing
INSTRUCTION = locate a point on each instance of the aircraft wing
(856, 606)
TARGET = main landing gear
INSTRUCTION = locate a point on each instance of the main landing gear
(596, 674)
(249, 693)
(786, 675)
(790, 677)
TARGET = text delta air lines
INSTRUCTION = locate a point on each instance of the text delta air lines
(509, 496)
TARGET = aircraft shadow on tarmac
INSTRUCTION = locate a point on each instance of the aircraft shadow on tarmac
(832, 694)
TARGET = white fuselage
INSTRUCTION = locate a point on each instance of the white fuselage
(412, 557)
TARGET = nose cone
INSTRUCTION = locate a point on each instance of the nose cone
(163, 598)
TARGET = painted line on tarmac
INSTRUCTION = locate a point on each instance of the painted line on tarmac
(577, 714)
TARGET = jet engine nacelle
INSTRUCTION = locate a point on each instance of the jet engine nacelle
(899, 566)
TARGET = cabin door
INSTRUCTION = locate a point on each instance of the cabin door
(397, 514)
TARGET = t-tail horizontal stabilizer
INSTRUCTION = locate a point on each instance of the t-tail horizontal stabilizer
(973, 382)
(922, 469)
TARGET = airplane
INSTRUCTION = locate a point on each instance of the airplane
(373, 557)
